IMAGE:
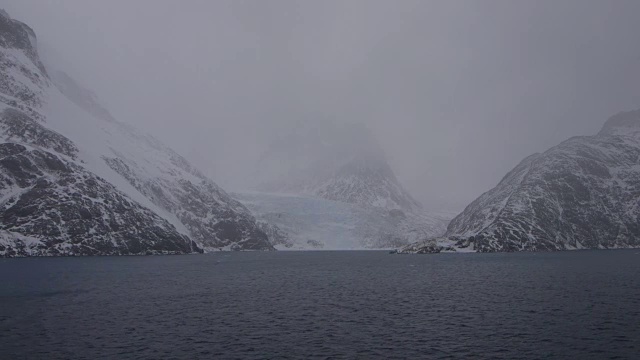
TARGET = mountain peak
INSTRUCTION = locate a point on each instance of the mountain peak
(15, 34)
(581, 193)
(18, 35)
(81, 183)
(335, 161)
(622, 123)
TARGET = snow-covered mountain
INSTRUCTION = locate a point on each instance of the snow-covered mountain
(328, 185)
(76, 181)
(583, 193)
(341, 162)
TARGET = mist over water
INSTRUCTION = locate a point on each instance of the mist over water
(457, 93)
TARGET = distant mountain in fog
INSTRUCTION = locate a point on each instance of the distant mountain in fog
(328, 185)
(74, 181)
(340, 162)
(581, 194)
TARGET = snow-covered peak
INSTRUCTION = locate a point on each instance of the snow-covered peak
(60, 135)
(623, 123)
(582, 193)
(19, 36)
(335, 161)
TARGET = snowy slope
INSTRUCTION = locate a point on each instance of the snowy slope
(53, 117)
(307, 222)
(157, 177)
(52, 206)
(583, 193)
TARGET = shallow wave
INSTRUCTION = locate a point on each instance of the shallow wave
(324, 305)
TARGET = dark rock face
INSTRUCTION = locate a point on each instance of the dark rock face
(212, 217)
(19, 40)
(583, 193)
(52, 201)
(368, 180)
(54, 207)
(17, 126)
(275, 234)
(423, 247)
(17, 35)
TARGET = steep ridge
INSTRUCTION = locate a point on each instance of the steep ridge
(123, 191)
(581, 194)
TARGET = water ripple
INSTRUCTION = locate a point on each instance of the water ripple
(323, 305)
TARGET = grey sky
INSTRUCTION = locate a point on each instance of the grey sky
(458, 92)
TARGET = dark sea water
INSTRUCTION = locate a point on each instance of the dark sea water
(324, 305)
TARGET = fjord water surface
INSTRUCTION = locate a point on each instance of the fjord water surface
(325, 305)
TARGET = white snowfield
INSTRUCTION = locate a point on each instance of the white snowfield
(311, 223)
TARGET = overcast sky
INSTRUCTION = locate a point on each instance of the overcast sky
(458, 92)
